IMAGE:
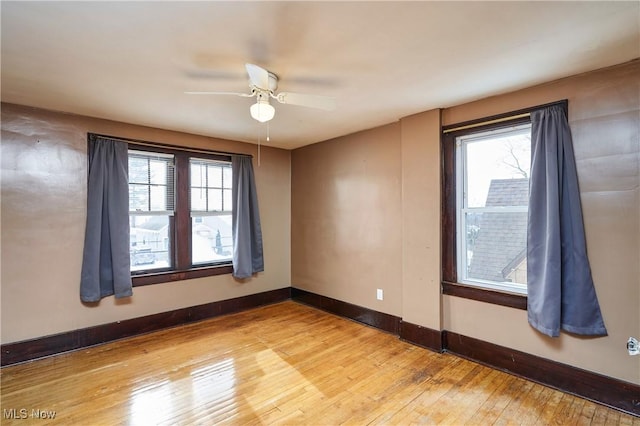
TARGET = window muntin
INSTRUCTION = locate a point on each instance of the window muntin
(151, 206)
(179, 214)
(210, 201)
(492, 186)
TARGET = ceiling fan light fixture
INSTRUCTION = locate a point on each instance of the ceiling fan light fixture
(263, 85)
(262, 110)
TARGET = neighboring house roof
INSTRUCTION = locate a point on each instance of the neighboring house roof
(156, 223)
(508, 192)
(502, 239)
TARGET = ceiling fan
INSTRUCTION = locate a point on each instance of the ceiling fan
(263, 85)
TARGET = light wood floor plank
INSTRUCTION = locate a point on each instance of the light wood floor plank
(281, 364)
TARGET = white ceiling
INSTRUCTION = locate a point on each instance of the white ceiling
(132, 61)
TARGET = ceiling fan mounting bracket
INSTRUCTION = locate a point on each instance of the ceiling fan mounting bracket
(273, 84)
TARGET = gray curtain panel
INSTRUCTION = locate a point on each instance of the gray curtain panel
(561, 294)
(246, 229)
(105, 263)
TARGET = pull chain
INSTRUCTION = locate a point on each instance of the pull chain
(260, 142)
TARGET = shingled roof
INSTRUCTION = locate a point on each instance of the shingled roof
(502, 239)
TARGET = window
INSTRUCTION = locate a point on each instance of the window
(151, 201)
(492, 196)
(210, 190)
(485, 207)
(179, 214)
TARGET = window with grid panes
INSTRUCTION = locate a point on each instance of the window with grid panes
(151, 208)
(179, 214)
(210, 196)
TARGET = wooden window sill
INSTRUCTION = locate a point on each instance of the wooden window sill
(510, 300)
(168, 276)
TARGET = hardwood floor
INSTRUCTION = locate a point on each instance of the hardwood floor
(280, 364)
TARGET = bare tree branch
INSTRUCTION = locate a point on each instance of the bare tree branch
(516, 163)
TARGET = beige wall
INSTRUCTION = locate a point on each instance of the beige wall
(43, 218)
(334, 221)
(346, 218)
(420, 142)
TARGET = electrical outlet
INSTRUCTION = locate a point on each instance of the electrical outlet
(379, 294)
(633, 346)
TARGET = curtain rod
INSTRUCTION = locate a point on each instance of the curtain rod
(513, 115)
(484, 123)
(174, 147)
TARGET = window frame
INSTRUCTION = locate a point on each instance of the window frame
(450, 283)
(462, 207)
(180, 222)
(226, 210)
(449, 280)
(169, 210)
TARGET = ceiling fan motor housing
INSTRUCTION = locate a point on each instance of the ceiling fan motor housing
(273, 84)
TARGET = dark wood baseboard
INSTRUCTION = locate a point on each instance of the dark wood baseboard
(27, 350)
(380, 320)
(614, 393)
(421, 336)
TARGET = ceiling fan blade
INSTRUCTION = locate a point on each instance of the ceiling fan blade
(258, 76)
(311, 101)
(246, 95)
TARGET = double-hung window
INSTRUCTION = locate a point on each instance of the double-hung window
(179, 213)
(151, 210)
(485, 210)
(210, 194)
(492, 195)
